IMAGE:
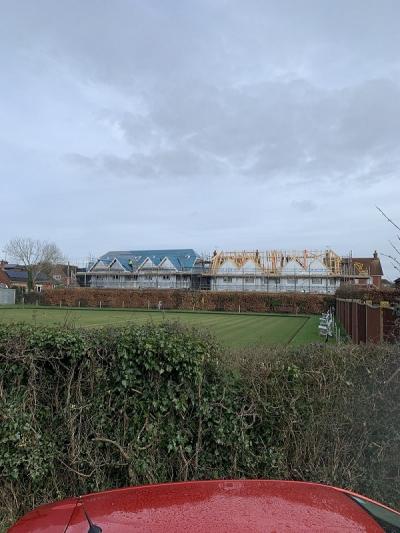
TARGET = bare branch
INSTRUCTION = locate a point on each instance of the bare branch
(395, 261)
(394, 248)
(36, 256)
(114, 443)
(387, 218)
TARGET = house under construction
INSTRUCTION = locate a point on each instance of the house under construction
(276, 271)
(263, 271)
(143, 269)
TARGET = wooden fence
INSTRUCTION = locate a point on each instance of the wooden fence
(367, 322)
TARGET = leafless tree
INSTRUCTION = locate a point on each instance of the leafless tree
(36, 256)
(395, 255)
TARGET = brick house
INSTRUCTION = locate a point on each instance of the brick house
(365, 270)
(65, 275)
(16, 277)
(4, 280)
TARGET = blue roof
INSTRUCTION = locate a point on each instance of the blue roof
(182, 259)
(22, 275)
(17, 274)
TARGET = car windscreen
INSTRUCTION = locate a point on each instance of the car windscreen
(387, 519)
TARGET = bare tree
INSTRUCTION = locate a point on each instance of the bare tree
(36, 256)
(395, 255)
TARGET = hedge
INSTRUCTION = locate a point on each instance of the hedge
(87, 410)
(368, 293)
(185, 299)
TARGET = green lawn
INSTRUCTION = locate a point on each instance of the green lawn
(231, 329)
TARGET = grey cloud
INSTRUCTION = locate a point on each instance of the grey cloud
(265, 131)
(304, 206)
(80, 160)
(271, 106)
(162, 165)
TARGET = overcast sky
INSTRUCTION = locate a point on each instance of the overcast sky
(213, 123)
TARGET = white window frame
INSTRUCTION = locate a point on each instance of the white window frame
(316, 281)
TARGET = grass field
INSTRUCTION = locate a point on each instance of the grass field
(231, 329)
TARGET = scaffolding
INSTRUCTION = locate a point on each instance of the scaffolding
(314, 271)
(273, 261)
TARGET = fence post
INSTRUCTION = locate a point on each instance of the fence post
(383, 305)
(368, 303)
(362, 322)
(354, 321)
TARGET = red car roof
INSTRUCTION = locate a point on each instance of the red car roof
(205, 506)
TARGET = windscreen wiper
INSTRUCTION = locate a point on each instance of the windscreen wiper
(93, 528)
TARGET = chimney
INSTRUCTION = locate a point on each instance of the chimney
(375, 255)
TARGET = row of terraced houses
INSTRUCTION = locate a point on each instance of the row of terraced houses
(266, 271)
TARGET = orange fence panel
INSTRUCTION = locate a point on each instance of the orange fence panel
(365, 322)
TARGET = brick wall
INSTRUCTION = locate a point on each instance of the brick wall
(4, 279)
(189, 300)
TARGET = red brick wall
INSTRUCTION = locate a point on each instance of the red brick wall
(376, 280)
(198, 300)
(4, 278)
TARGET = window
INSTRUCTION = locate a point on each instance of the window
(249, 280)
(115, 277)
(165, 276)
(148, 277)
(227, 280)
(332, 281)
(291, 281)
(272, 281)
(387, 519)
(316, 281)
(57, 277)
